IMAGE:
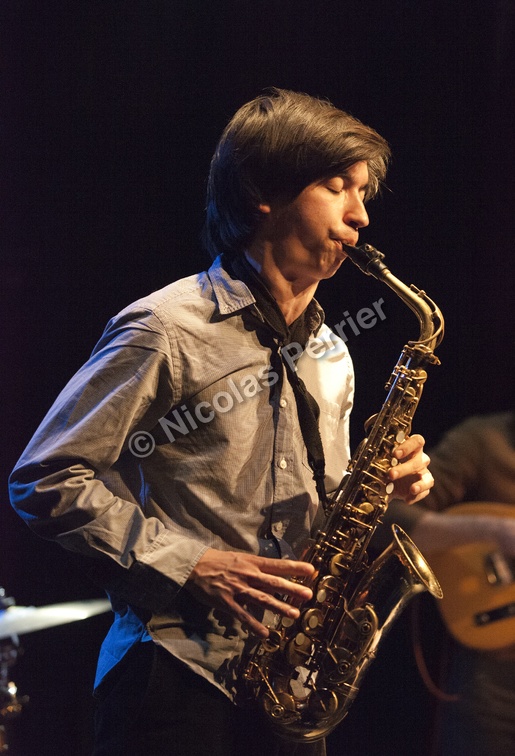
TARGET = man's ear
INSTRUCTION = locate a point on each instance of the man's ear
(264, 208)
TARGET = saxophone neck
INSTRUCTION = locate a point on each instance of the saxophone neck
(370, 261)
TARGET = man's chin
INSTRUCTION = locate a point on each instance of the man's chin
(332, 269)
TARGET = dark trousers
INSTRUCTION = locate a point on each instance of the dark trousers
(153, 705)
(482, 722)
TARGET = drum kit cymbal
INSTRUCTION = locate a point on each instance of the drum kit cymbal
(21, 620)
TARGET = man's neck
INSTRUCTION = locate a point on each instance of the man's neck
(292, 299)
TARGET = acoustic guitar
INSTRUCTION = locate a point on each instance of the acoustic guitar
(478, 583)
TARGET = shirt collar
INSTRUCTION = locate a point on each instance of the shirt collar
(233, 295)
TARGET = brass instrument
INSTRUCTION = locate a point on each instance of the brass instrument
(306, 674)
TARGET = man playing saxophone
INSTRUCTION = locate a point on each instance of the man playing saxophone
(187, 452)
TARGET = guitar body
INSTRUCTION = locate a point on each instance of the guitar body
(478, 583)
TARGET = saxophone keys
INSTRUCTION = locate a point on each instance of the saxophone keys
(273, 642)
(312, 621)
(280, 707)
(368, 424)
(321, 596)
(299, 650)
(323, 703)
(340, 664)
(328, 590)
(338, 565)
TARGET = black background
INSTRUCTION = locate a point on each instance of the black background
(110, 113)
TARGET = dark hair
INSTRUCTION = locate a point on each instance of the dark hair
(273, 147)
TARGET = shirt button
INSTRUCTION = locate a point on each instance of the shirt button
(283, 402)
(283, 464)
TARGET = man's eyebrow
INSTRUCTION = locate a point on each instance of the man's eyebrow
(346, 175)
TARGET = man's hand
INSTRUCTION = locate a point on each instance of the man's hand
(413, 480)
(440, 531)
(231, 580)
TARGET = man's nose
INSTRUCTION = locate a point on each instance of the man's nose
(356, 214)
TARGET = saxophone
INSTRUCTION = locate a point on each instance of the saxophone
(306, 674)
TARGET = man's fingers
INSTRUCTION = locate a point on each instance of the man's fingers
(233, 580)
(426, 481)
(271, 584)
(239, 604)
(411, 466)
(409, 446)
(254, 626)
(286, 567)
(265, 600)
(269, 578)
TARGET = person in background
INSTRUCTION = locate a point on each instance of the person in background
(191, 452)
(473, 462)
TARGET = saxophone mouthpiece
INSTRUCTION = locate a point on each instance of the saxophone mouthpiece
(368, 259)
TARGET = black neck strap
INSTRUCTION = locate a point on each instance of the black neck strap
(308, 410)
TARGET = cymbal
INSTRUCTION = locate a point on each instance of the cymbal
(19, 620)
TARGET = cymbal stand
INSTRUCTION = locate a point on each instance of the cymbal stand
(11, 704)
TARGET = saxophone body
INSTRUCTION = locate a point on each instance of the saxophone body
(307, 673)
